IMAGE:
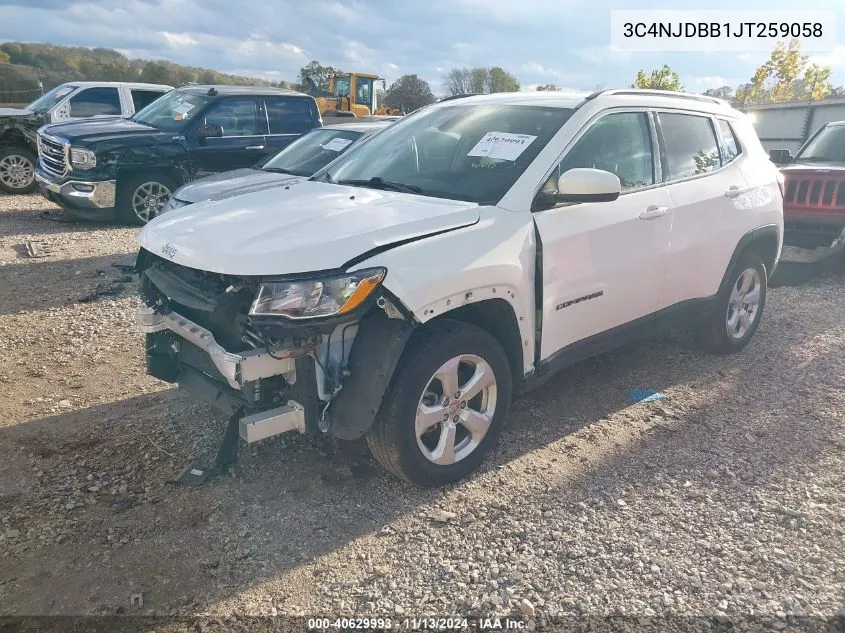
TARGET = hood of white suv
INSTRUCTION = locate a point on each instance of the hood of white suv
(305, 227)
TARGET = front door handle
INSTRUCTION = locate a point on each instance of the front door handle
(653, 212)
(734, 191)
(254, 147)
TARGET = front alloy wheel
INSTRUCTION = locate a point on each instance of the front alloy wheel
(456, 409)
(445, 406)
(17, 171)
(149, 199)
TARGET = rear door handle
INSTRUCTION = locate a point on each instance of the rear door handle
(653, 212)
(734, 191)
(254, 147)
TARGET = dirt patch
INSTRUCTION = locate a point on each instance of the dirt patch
(724, 500)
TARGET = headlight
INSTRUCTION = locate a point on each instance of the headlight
(173, 203)
(82, 158)
(325, 297)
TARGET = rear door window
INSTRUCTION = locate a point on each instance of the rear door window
(95, 102)
(290, 116)
(142, 98)
(690, 144)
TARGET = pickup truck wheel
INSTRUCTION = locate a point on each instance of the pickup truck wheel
(141, 198)
(17, 170)
(739, 308)
(445, 406)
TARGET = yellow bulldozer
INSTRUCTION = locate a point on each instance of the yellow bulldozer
(350, 95)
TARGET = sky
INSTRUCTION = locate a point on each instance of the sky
(563, 42)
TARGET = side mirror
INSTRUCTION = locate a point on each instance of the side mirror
(780, 156)
(588, 185)
(208, 131)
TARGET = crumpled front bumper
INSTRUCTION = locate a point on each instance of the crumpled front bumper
(238, 369)
(79, 194)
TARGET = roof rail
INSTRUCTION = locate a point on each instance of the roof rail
(460, 96)
(662, 93)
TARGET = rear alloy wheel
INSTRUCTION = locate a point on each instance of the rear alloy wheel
(445, 407)
(17, 170)
(143, 198)
(739, 308)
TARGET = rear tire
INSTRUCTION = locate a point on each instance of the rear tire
(430, 437)
(141, 198)
(739, 308)
(17, 170)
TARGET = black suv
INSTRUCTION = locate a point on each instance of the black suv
(127, 169)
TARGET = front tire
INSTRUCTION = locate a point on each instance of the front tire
(141, 198)
(445, 406)
(739, 308)
(17, 170)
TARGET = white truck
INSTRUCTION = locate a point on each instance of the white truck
(406, 291)
(73, 101)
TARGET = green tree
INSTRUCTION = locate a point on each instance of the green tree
(317, 72)
(502, 81)
(479, 80)
(787, 76)
(409, 92)
(4, 57)
(661, 79)
(547, 87)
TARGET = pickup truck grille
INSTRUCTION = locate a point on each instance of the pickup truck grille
(815, 192)
(53, 155)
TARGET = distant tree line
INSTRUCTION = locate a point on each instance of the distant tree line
(786, 76)
(59, 64)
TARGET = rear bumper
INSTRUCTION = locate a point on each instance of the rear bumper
(814, 216)
(94, 199)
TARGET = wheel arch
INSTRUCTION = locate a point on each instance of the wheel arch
(496, 317)
(765, 241)
(11, 137)
(173, 173)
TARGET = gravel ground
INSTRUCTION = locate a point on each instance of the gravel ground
(725, 500)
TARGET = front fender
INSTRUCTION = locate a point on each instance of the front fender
(492, 259)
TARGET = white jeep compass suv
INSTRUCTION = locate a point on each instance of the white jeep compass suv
(469, 251)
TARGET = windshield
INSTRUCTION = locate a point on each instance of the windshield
(311, 152)
(461, 152)
(46, 101)
(171, 112)
(828, 145)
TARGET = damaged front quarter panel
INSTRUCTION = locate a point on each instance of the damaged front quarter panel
(377, 347)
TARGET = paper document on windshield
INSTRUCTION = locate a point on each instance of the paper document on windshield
(183, 108)
(337, 144)
(502, 145)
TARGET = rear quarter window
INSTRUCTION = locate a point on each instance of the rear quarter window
(730, 143)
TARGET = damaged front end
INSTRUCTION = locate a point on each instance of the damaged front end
(306, 353)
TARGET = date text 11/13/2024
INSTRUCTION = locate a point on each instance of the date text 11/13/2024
(417, 624)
